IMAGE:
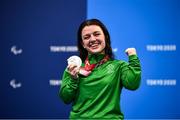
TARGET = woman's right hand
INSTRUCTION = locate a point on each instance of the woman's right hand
(73, 70)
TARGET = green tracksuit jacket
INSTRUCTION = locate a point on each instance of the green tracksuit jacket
(98, 95)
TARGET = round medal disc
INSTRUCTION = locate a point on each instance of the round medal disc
(75, 60)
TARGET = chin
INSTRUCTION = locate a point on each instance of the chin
(96, 51)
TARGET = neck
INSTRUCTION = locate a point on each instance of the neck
(94, 58)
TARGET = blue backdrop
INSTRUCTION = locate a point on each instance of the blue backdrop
(38, 36)
(152, 27)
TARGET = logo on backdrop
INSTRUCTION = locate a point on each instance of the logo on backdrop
(63, 49)
(54, 82)
(161, 82)
(16, 51)
(115, 49)
(14, 84)
(160, 47)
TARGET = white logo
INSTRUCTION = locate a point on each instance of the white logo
(15, 85)
(16, 51)
(154, 48)
(55, 82)
(115, 49)
(63, 48)
(161, 82)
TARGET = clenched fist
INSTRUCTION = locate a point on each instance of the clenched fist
(130, 51)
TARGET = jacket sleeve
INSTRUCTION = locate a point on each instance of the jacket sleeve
(68, 88)
(131, 73)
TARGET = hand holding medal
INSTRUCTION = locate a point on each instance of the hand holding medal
(74, 64)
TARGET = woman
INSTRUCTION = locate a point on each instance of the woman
(95, 93)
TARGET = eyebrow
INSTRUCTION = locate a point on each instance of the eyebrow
(91, 33)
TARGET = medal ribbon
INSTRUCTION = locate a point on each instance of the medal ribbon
(88, 68)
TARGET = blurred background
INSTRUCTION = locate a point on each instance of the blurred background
(37, 37)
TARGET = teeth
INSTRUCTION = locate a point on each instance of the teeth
(94, 45)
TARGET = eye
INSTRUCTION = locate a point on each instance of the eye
(96, 34)
(86, 37)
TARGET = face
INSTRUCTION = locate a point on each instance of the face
(93, 39)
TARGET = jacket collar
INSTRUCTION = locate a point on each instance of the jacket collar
(94, 58)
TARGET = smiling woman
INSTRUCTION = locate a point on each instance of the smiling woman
(95, 92)
(93, 39)
(91, 31)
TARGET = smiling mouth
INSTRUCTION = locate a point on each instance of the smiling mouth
(94, 45)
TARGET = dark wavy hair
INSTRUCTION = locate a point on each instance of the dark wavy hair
(82, 51)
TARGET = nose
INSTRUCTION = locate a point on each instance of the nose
(92, 38)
